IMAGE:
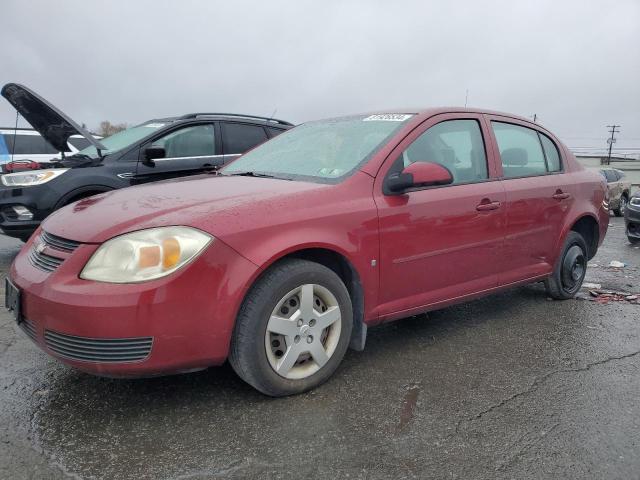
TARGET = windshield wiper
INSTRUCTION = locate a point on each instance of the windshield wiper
(250, 173)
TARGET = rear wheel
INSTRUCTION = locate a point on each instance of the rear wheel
(570, 270)
(293, 328)
(619, 212)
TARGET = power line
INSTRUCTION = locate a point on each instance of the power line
(612, 139)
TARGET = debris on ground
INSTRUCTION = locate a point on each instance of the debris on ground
(590, 286)
(617, 264)
(606, 296)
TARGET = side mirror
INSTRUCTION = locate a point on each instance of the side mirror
(154, 152)
(418, 174)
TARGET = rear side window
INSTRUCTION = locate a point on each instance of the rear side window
(520, 150)
(551, 153)
(610, 175)
(455, 144)
(28, 145)
(274, 131)
(239, 137)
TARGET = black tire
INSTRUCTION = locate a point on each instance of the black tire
(248, 355)
(619, 212)
(633, 240)
(570, 269)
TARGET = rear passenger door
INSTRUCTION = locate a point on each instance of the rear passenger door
(538, 198)
(239, 137)
(189, 150)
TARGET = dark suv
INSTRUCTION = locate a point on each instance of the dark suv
(155, 150)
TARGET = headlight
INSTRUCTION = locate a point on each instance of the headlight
(145, 254)
(34, 177)
(635, 201)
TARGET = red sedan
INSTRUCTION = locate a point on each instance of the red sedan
(281, 261)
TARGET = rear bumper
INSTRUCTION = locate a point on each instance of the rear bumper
(185, 320)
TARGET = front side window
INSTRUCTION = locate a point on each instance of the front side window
(195, 141)
(239, 137)
(324, 151)
(520, 150)
(454, 144)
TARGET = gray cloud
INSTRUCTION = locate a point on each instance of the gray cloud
(576, 64)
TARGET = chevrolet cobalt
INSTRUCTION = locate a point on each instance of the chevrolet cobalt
(281, 260)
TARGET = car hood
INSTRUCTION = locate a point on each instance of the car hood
(51, 123)
(219, 205)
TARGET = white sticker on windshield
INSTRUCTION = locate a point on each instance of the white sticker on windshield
(387, 117)
(154, 125)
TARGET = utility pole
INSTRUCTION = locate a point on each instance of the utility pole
(611, 140)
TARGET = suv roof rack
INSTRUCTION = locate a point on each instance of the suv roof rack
(237, 115)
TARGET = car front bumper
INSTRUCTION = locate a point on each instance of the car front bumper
(39, 200)
(178, 323)
(632, 221)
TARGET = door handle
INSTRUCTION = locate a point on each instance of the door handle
(484, 207)
(561, 195)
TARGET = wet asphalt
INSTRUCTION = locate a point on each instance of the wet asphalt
(511, 386)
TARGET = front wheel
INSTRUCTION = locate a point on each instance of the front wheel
(619, 212)
(293, 328)
(570, 270)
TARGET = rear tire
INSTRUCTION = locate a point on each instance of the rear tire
(570, 269)
(293, 328)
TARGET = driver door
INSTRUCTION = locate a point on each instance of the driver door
(441, 242)
(189, 150)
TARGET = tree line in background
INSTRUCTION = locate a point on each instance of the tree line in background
(106, 128)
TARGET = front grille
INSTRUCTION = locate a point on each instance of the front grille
(59, 243)
(29, 328)
(47, 262)
(43, 261)
(100, 350)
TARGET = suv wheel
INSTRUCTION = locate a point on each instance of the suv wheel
(568, 275)
(293, 328)
(619, 212)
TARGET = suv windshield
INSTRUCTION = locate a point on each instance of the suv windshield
(326, 150)
(123, 139)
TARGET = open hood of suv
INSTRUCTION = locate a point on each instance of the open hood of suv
(51, 123)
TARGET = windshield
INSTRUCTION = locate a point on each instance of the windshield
(123, 139)
(326, 150)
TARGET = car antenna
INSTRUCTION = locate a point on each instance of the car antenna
(275, 110)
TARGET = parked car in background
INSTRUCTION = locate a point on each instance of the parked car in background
(632, 218)
(619, 190)
(26, 144)
(286, 256)
(154, 150)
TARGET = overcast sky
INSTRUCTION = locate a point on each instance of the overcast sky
(576, 64)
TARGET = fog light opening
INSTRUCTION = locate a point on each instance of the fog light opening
(23, 213)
